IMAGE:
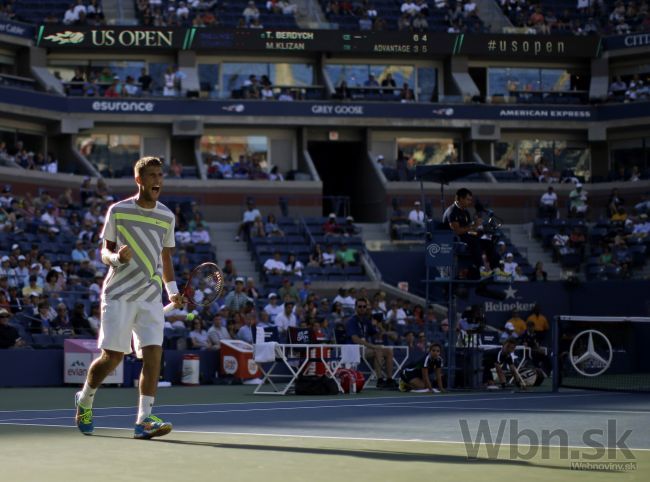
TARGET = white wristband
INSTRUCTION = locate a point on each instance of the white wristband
(171, 287)
(114, 259)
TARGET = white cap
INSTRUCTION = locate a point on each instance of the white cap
(510, 326)
(380, 156)
(4, 258)
(14, 246)
(272, 295)
(21, 258)
(578, 184)
(509, 255)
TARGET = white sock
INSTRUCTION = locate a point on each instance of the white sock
(144, 408)
(87, 396)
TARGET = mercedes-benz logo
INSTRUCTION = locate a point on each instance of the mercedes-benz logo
(595, 359)
(433, 249)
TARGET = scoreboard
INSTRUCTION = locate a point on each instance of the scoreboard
(359, 43)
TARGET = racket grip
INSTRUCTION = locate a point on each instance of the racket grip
(168, 307)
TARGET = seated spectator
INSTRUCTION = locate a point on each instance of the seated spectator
(539, 274)
(286, 318)
(416, 216)
(248, 219)
(349, 229)
(288, 292)
(518, 324)
(538, 319)
(250, 13)
(272, 308)
(390, 85)
(183, 235)
(577, 239)
(237, 298)
(618, 88)
(548, 203)
(397, 218)
(275, 265)
(342, 91)
(316, 256)
(510, 264)
(396, 314)
(294, 266)
(331, 226)
(200, 235)
(365, 23)
(251, 290)
(519, 275)
(199, 339)
(360, 330)
(61, 323)
(9, 337)
(229, 270)
(32, 287)
(578, 202)
(275, 174)
(218, 331)
(329, 257)
(347, 256)
(271, 228)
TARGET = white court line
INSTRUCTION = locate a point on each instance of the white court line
(402, 397)
(327, 437)
(531, 410)
(310, 407)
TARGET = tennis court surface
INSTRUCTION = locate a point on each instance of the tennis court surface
(226, 433)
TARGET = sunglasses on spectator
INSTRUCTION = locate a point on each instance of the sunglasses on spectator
(362, 306)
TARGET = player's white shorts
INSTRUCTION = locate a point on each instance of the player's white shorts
(144, 320)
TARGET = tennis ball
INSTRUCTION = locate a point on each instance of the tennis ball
(190, 316)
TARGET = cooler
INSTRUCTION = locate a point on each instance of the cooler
(237, 359)
(77, 357)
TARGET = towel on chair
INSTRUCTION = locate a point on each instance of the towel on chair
(264, 352)
(350, 354)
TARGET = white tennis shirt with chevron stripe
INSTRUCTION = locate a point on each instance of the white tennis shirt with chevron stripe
(145, 232)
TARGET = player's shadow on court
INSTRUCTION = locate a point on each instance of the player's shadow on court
(393, 456)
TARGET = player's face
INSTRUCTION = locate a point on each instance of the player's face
(466, 201)
(509, 348)
(435, 351)
(150, 182)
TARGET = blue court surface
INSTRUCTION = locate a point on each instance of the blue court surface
(416, 424)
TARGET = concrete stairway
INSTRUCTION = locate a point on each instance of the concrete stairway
(374, 235)
(223, 237)
(520, 236)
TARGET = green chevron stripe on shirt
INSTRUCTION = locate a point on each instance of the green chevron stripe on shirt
(142, 219)
(139, 252)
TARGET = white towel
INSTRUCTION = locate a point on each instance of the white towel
(265, 352)
(350, 354)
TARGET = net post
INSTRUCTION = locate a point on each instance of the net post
(555, 344)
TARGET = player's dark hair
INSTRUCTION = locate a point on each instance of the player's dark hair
(510, 341)
(436, 344)
(145, 162)
(462, 193)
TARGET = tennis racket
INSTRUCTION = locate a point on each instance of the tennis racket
(204, 286)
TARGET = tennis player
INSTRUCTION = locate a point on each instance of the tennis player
(138, 239)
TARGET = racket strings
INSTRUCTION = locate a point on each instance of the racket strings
(211, 279)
